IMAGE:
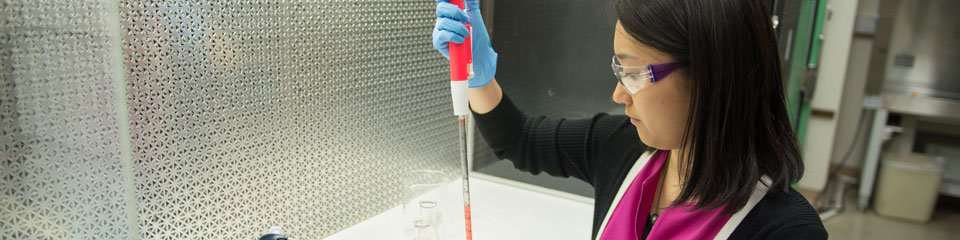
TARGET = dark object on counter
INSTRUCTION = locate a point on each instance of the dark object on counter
(273, 236)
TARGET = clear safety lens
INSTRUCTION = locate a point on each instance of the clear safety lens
(633, 78)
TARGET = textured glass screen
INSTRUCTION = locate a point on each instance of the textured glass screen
(214, 119)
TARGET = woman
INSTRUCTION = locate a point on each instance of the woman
(705, 150)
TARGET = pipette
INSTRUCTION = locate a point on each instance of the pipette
(461, 69)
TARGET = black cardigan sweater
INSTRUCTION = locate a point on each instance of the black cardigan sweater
(601, 150)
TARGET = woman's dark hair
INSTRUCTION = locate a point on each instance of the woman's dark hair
(738, 129)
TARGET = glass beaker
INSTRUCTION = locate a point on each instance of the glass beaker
(425, 231)
(424, 195)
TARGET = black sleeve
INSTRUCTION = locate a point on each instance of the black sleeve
(560, 147)
(802, 232)
(787, 217)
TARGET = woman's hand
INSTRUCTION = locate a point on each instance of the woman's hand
(449, 28)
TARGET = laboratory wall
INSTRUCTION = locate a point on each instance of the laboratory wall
(835, 56)
(214, 119)
(554, 61)
(852, 121)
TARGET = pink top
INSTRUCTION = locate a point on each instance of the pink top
(630, 216)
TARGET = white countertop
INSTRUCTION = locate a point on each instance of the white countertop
(502, 209)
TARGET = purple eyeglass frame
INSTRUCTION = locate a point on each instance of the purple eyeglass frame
(661, 70)
(656, 71)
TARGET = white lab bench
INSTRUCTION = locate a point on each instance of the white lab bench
(502, 209)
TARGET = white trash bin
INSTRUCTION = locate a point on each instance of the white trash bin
(908, 186)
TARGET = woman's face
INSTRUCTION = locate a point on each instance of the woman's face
(659, 111)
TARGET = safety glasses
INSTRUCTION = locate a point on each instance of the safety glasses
(634, 78)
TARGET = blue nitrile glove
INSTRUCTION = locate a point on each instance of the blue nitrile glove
(450, 29)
